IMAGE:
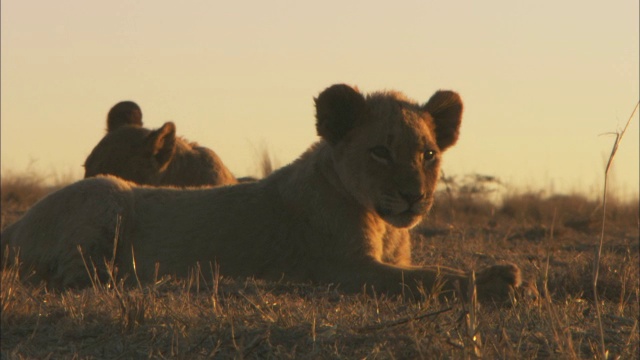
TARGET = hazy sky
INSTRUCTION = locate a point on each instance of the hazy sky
(541, 80)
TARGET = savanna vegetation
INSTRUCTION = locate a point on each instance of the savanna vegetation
(477, 221)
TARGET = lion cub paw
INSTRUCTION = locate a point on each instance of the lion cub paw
(499, 282)
(528, 293)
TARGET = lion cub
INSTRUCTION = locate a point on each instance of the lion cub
(339, 214)
(153, 157)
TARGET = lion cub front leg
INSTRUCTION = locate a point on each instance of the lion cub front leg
(495, 283)
(380, 277)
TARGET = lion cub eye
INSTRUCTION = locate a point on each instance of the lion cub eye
(380, 153)
(429, 155)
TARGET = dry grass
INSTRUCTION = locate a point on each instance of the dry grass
(552, 238)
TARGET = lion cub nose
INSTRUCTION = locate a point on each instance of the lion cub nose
(412, 198)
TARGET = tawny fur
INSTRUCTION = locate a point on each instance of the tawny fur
(339, 214)
(153, 157)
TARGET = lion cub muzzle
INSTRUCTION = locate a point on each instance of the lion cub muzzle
(403, 209)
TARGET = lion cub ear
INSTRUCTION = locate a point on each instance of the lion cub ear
(338, 110)
(162, 143)
(446, 109)
(124, 113)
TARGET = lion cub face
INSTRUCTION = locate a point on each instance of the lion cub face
(387, 149)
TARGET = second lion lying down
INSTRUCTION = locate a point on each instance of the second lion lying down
(153, 157)
(339, 214)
